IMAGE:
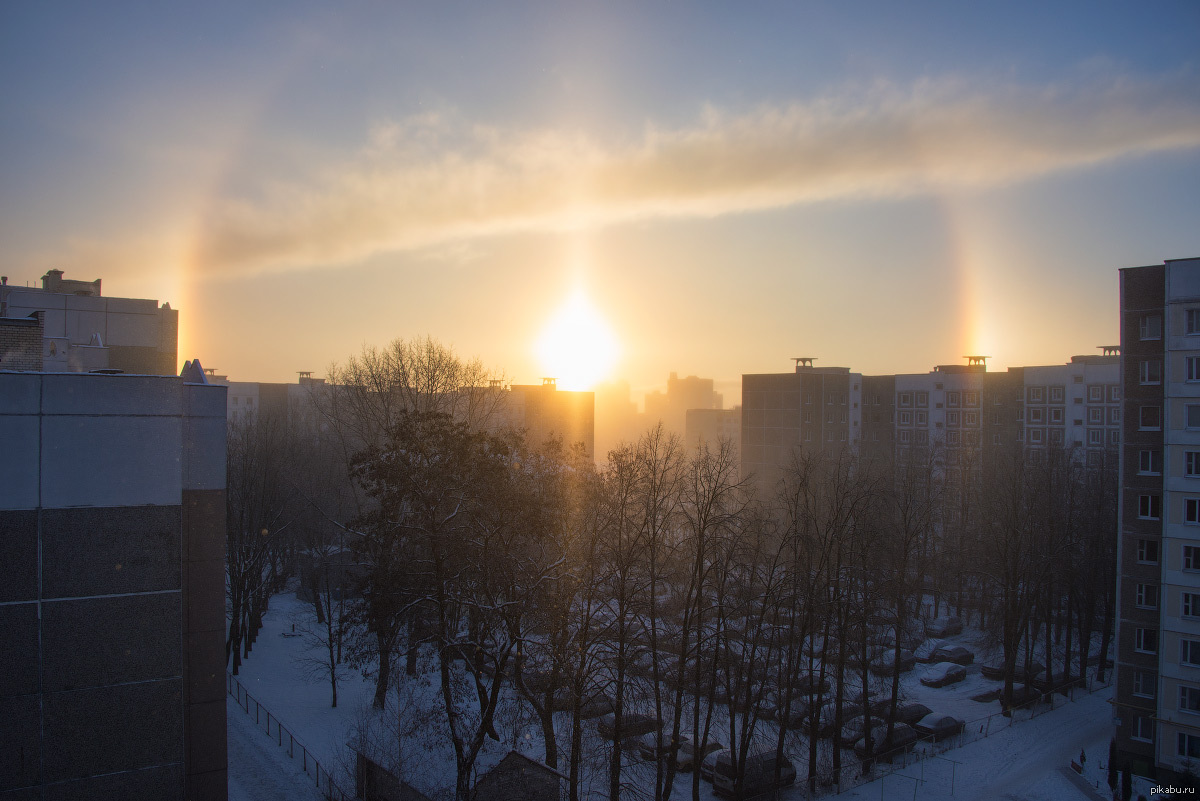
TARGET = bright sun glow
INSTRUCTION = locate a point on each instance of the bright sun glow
(577, 347)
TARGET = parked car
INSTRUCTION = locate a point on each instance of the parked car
(759, 774)
(939, 726)
(943, 673)
(631, 725)
(649, 747)
(925, 650)
(911, 713)
(709, 763)
(1023, 694)
(903, 739)
(944, 626)
(952, 653)
(689, 754)
(995, 670)
(795, 717)
(853, 731)
(885, 663)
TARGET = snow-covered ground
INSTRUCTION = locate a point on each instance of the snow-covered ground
(1020, 759)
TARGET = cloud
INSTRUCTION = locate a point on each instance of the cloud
(433, 179)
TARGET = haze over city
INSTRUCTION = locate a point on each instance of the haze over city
(711, 190)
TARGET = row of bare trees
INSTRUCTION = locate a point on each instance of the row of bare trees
(657, 584)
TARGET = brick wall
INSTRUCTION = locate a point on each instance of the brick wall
(21, 342)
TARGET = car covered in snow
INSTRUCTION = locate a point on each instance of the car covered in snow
(939, 726)
(883, 747)
(942, 674)
(952, 653)
(689, 754)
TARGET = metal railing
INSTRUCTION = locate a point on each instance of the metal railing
(285, 739)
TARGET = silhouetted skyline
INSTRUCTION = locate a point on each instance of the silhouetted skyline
(883, 187)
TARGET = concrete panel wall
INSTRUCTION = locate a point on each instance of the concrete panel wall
(111, 461)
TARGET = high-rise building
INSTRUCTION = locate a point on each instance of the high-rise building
(112, 603)
(1157, 703)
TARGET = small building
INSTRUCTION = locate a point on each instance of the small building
(519, 778)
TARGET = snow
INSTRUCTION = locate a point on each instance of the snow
(259, 770)
(1019, 759)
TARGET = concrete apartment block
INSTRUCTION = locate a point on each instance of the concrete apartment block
(112, 544)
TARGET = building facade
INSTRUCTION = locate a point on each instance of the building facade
(112, 514)
(1157, 704)
(84, 331)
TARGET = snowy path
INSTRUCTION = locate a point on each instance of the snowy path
(1021, 763)
(259, 770)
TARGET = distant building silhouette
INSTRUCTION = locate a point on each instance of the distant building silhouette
(682, 394)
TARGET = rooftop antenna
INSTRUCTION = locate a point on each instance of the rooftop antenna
(1110, 350)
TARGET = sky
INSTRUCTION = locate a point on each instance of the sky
(705, 188)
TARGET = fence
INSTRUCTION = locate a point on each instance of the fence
(285, 739)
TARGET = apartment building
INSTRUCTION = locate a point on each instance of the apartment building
(112, 508)
(81, 330)
(1157, 703)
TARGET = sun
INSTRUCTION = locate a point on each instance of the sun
(577, 347)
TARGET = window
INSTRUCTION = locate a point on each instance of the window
(995, 439)
(806, 417)
(1191, 463)
(971, 399)
(1114, 393)
(1189, 699)
(1035, 436)
(1114, 438)
(1037, 415)
(1149, 507)
(922, 418)
(842, 416)
(1146, 596)
(951, 437)
(1150, 418)
(1021, 435)
(953, 399)
(1143, 729)
(1114, 415)
(1147, 552)
(1151, 326)
(1149, 463)
(1145, 641)
(1095, 437)
(1095, 394)
(1096, 416)
(1191, 511)
(1193, 368)
(1192, 415)
(971, 438)
(1056, 416)
(1036, 394)
(1192, 321)
(952, 418)
(1189, 652)
(1056, 436)
(1191, 604)
(906, 418)
(1056, 394)
(906, 399)
(922, 437)
(971, 418)
(1144, 683)
(922, 398)
(1191, 557)
(1150, 371)
(1020, 415)
(1188, 745)
(905, 437)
